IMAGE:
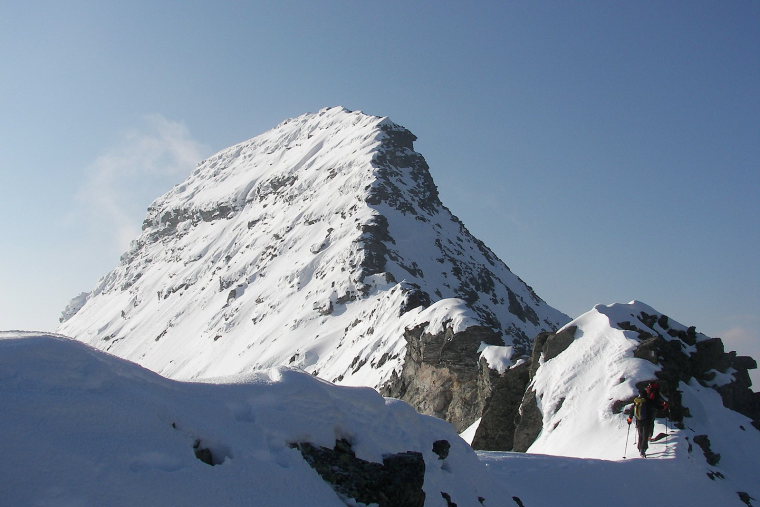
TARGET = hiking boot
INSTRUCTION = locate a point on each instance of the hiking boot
(643, 454)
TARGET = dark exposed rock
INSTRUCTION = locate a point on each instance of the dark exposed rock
(710, 355)
(503, 394)
(511, 418)
(166, 224)
(447, 497)
(399, 160)
(556, 343)
(345, 298)
(703, 441)
(441, 448)
(672, 351)
(649, 349)
(203, 453)
(744, 497)
(643, 334)
(396, 482)
(374, 236)
(522, 312)
(530, 423)
(550, 345)
(414, 298)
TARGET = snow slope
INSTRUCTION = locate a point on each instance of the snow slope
(81, 427)
(545, 480)
(313, 245)
(579, 389)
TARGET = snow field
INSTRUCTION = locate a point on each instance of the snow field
(85, 428)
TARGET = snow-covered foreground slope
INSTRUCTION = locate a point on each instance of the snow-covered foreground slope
(581, 394)
(81, 427)
(313, 245)
(540, 480)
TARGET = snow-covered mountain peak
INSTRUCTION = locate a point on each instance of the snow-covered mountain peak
(309, 150)
(315, 245)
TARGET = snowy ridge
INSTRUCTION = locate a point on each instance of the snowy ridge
(88, 428)
(582, 391)
(597, 369)
(313, 245)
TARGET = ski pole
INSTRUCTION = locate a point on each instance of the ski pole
(626, 440)
(667, 428)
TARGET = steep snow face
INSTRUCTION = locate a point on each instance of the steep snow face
(577, 389)
(313, 245)
(582, 393)
(86, 428)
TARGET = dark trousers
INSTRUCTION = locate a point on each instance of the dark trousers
(645, 430)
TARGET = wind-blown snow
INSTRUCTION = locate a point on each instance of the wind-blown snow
(499, 358)
(81, 427)
(301, 247)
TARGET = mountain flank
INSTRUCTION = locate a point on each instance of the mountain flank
(322, 245)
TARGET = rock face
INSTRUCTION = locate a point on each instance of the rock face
(439, 376)
(396, 482)
(323, 245)
(503, 393)
(528, 421)
(683, 355)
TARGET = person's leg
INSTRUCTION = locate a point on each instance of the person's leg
(648, 429)
(641, 431)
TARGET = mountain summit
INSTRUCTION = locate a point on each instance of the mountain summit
(317, 245)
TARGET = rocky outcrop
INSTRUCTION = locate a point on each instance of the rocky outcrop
(397, 482)
(703, 441)
(503, 393)
(685, 355)
(529, 419)
(529, 423)
(440, 376)
(549, 345)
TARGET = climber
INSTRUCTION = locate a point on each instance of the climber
(643, 410)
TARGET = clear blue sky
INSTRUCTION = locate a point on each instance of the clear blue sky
(606, 151)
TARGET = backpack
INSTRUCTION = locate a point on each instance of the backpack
(640, 408)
